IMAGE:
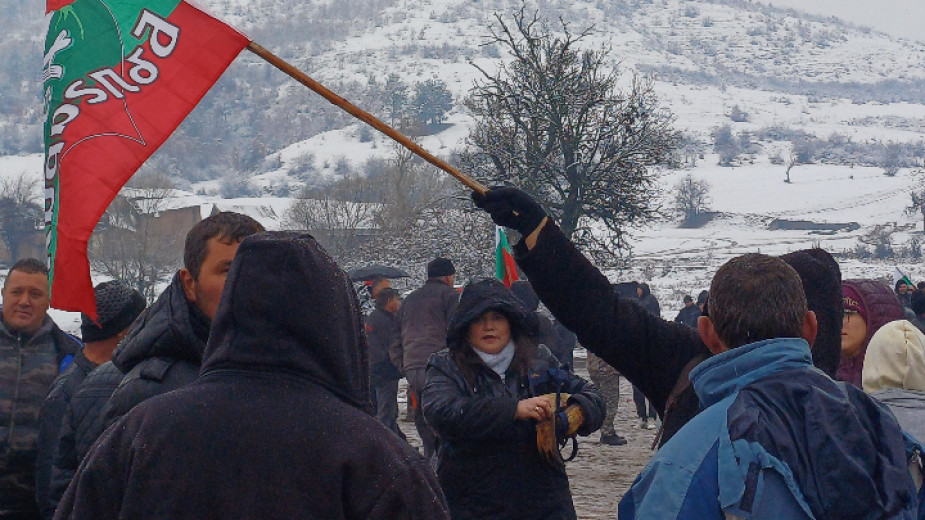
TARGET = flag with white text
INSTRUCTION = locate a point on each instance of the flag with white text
(119, 77)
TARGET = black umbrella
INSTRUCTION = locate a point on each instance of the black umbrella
(370, 272)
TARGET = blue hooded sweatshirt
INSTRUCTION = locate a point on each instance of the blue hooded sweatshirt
(777, 438)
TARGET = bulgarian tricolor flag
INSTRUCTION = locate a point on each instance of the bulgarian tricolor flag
(505, 268)
(119, 77)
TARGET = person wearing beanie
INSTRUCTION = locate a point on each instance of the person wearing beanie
(868, 305)
(117, 305)
(423, 319)
(440, 267)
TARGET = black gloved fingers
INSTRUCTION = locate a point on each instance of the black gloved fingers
(511, 207)
(479, 199)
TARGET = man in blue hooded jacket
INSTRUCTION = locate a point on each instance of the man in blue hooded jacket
(777, 438)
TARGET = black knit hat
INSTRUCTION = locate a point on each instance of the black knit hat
(117, 305)
(440, 267)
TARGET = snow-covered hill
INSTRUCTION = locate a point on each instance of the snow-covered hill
(710, 56)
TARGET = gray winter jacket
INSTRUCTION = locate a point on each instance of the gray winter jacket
(909, 408)
(424, 316)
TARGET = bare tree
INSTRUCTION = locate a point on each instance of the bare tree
(691, 196)
(409, 189)
(20, 214)
(553, 122)
(450, 228)
(337, 214)
(790, 164)
(917, 205)
(132, 244)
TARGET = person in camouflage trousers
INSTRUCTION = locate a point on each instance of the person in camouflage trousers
(32, 352)
(607, 380)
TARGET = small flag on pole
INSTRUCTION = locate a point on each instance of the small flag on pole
(119, 77)
(505, 268)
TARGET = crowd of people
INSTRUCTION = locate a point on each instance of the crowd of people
(254, 387)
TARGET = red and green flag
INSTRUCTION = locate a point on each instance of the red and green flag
(119, 77)
(505, 268)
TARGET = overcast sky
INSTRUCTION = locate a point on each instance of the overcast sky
(904, 18)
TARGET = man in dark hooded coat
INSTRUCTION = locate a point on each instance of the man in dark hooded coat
(278, 424)
(654, 354)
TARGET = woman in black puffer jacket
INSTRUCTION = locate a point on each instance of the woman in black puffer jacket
(483, 398)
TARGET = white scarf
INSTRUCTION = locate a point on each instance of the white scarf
(499, 362)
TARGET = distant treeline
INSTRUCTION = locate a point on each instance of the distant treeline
(885, 91)
(805, 148)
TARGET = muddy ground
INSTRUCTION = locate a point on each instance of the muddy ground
(600, 474)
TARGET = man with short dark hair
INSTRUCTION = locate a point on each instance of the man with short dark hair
(381, 328)
(32, 352)
(117, 306)
(777, 438)
(689, 313)
(423, 321)
(163, 351)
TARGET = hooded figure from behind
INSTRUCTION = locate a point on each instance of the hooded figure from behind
(894, 373)
(277, 425)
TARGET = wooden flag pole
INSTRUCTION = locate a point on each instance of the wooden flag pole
(364, 116)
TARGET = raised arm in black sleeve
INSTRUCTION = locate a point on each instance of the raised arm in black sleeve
(649, 351)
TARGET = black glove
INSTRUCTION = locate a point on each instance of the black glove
(511, 208)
